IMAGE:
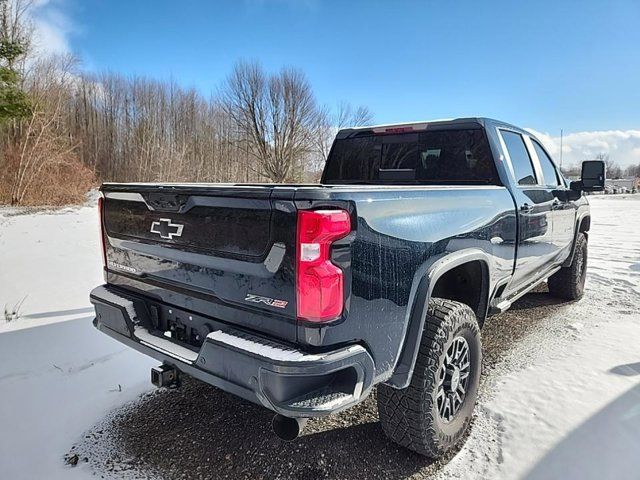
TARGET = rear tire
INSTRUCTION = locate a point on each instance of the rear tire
(568, 282)
(417, 417)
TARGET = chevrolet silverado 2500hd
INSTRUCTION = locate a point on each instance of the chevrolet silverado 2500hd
(302, 298)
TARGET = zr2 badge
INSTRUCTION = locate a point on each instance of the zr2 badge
(272, 302)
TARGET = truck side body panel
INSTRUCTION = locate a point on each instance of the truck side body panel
(402, 232)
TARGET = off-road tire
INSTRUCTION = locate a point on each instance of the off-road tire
(410, 416)
(568, 282)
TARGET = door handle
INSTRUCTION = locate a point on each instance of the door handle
(526, 208)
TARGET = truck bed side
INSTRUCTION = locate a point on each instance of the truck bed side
(403, 235)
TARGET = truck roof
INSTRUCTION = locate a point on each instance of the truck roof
(463, 122)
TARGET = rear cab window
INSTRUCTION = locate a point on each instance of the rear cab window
(438, 157)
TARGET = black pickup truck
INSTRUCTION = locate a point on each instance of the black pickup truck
(302, 298)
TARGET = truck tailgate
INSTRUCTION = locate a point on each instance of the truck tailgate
(227, 251)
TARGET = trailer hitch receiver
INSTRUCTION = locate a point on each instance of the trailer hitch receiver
(165, 376)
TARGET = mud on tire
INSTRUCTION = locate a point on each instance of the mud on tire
(416, 417)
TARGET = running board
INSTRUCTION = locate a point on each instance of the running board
(505, 304)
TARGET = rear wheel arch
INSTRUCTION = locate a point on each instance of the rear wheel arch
(466, 283)
(442, 270)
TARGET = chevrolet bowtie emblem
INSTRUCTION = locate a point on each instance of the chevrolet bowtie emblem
(166, 229)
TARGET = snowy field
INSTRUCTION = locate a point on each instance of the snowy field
(563, 401)
(57, 374)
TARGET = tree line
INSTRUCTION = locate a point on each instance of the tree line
(62, 130)
(613, 169)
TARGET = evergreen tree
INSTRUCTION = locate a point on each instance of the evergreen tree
(14, 102)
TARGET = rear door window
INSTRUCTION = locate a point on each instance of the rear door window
(439, 156)
(548, 169)
(520, 160)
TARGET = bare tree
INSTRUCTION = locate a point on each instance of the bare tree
(41, 136)
(329, 122)
(348, 116)
(612, 168)
(275, 114)
(632, 171)
(82, 127)
(572, 171)
(146, 130)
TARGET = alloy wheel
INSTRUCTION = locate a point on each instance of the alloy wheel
(453, 379)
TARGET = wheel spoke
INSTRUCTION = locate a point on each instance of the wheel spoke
(464, 359)
(460, 349)
(457, 401)
(447, 408)
(448, 355)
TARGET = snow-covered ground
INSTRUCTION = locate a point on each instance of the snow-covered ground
(568, 406)
(58, 375)
(564, 404)
(48, 260)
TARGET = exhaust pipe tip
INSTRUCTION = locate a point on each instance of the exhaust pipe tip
(287, 428)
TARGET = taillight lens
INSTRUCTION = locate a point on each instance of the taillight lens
(101, 219)
(320, 283)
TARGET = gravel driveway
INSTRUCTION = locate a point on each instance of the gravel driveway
(199, 432)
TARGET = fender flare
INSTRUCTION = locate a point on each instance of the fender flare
(405, 363)
(579, 220)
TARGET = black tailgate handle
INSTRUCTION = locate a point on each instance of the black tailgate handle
(165, 202)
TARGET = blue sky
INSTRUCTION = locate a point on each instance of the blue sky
(546, 65)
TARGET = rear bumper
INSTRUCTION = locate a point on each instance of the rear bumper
(288, 381)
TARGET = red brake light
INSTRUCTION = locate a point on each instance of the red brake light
(320, 283)
(398, 130)
(101, 217)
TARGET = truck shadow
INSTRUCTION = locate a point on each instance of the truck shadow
(604, 446)
(198, 431)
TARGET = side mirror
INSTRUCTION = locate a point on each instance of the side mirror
(592, 178)
(593, 175)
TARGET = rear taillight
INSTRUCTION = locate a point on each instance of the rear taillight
(101, 219)
(320, 283)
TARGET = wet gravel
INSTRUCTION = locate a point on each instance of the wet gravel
(503, 332)
(200, 432)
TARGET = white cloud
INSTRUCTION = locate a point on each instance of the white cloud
(52, 27)
(622, 146)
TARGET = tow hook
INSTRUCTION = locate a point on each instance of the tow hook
(287, 428)
(165, 376)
